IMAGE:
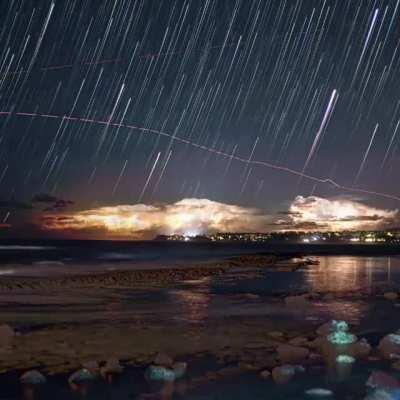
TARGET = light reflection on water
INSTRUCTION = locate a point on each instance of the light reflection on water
(192, 304)
(347, 273)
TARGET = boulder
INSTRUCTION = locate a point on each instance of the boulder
(179, 369)
(32, 377)
(391, 296)
(284, 373)
(389, 346)
(111, 367)
(362, 349)
(80, 376)
(319, 392)
(158, 373)
(381, 380)
(92, 366)
(292, 354)
(265, 374)
(298, 341)
(332, 326)
(382, 394)
(163, 360)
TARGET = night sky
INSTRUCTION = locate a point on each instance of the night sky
(107, 103)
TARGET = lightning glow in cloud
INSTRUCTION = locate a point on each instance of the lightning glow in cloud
(188, 217)
(338, 214)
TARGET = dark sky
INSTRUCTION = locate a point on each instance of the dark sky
(121, 102)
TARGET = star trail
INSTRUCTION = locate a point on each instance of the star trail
(247, 102)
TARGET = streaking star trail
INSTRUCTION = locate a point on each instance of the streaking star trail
(243, 102)
(211, 150)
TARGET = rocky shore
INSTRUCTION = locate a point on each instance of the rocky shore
(133, 278)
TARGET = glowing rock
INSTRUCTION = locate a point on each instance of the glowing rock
(345, 359)
(341, 338)
(82, 375)
(32, 378)
(157, 373)
(319, 392)
(332, 326)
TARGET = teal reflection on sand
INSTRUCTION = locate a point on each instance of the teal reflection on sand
(345, 359)
(340, 335)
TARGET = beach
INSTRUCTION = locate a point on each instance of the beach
(226, 318)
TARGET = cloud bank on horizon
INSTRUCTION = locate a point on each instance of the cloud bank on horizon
(199, 216)
(338, 214)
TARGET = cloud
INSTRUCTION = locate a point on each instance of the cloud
(337, 214)
(188, 216)
(200, 216)
(44, 198)
(54, 203)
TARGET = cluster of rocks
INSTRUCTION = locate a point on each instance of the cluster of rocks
(280, 358)
(137, 277)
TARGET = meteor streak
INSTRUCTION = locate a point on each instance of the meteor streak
(230, 156)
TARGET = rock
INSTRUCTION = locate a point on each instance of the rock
(265, 374)
(112, 367)
(284, 373)
(382, 394)
(32, 377)
(163, 360)
(319, 392)
(251, 296)
(92, 366)
(391, 296)
(82, 375)
(276, 334)
(332, 326)
(389, 346)
(296, 302)
(292, 354)
(6, 334)
(298, 341)
(158, 373)
(381, 380)
(328, 297)
(362, 349)
(179, 369)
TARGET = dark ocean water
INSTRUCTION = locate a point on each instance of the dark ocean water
(46, 257)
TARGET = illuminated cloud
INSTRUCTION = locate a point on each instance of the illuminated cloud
(312, 213)
(188, 217)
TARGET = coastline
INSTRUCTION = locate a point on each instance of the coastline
(83, 318)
